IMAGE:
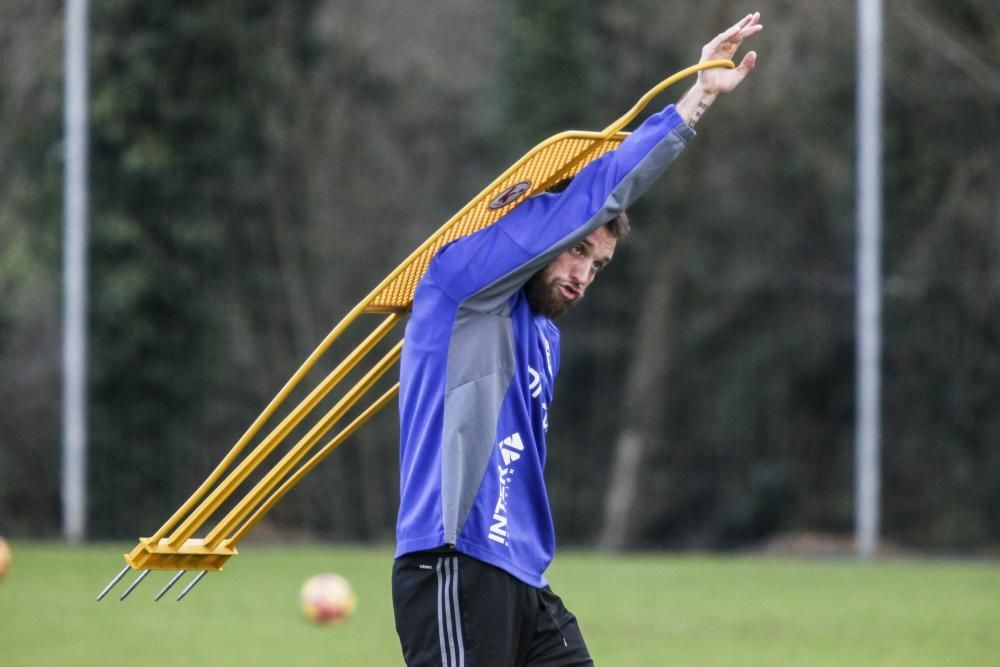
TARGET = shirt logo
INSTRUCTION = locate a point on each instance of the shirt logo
(510, 449)
(535, 389)
(535, 384)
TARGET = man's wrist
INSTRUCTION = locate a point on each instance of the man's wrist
(694, 104)
(700, 109)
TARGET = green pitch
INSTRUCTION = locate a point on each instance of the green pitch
(635, 610)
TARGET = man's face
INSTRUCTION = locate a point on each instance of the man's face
(563, 282)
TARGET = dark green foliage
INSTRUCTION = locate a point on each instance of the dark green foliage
(257, 167)
(549, 77)
(30, 255)
(179, 152)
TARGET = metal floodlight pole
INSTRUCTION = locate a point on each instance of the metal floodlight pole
(869, 283)
(74, 393)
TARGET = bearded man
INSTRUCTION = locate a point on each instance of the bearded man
(481, 354)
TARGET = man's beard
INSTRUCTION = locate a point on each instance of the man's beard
(545, 298)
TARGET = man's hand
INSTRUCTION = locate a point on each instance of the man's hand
(717, 81)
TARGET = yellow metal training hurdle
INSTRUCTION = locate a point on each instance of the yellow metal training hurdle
(175, 547)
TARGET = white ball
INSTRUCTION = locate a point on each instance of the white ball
(327, 599)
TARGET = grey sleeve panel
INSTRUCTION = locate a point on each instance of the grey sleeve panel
(635, 183)
(480, 370)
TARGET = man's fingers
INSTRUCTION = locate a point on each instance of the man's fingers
(731, 38)
(729, 32)
(726, 43)
(748, 23)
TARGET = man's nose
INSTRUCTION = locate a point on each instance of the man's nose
(581, 273)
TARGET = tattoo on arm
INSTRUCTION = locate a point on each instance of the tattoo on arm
(698, 112)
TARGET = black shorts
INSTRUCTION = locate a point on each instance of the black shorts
(455, 611)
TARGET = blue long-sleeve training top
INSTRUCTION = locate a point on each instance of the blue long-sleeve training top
(478, 366)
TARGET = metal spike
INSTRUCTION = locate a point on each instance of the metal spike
(113, 583)
(167, 587)
(134, 584)
(192, 585)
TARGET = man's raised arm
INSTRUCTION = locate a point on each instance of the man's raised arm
(714, 82)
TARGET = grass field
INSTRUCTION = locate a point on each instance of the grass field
(635, 611)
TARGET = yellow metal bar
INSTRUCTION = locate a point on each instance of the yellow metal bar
(630, 115)
(476, 215)
(198, 517)
(301, 448)
(555, 158)
(262, 418)
(192, 555)
(551, 160)
(307, 467)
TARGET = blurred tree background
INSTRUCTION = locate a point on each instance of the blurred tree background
(257, 167)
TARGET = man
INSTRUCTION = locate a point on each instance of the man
(474, 533)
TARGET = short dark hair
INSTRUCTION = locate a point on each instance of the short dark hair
(619, 226)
